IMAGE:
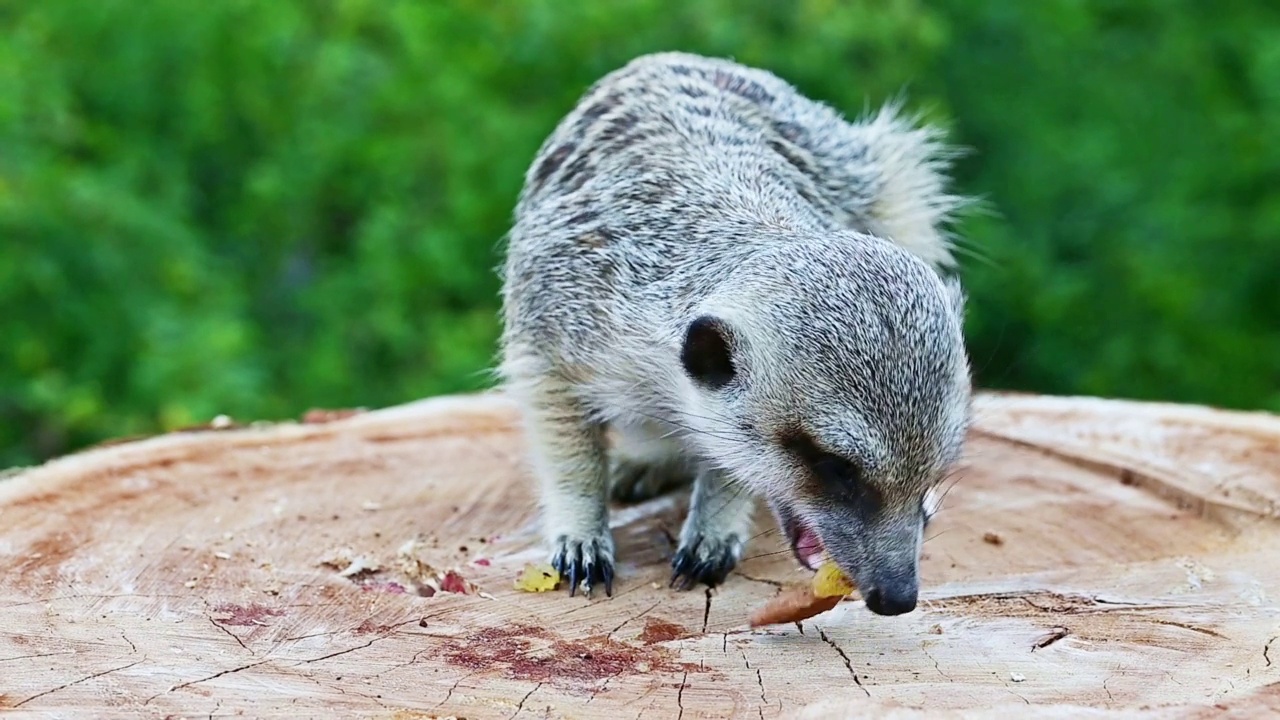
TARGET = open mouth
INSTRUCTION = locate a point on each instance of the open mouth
(805, 543)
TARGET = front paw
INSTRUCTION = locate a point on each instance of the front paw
(705, 559)
(585, 560)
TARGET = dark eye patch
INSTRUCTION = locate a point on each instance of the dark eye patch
(837, 469)
(838, 477)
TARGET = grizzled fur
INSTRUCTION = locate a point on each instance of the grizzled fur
(825, 373)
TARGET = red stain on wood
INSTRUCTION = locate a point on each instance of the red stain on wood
(454, 583)
(244, 615)
(660, 631)
(386, 586)
(526, 652)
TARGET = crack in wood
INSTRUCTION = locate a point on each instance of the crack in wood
(759, 681)
(295, 638)
(40, 655)
(1139, 606)
(448, 695)
(527, 695)
(1266, 650)
(763, 581)
(1054, 636)
(310, 678)
(341, 652)
(1009, 689)
(205, 679)
(847, 663)
(936, 666)
(393, 629)
(1049, 602)
(1192, 628)
(603, 686)
(235, 637)
(77, 682)
(706, 613)
(633, 618)
(410, 661)
(680, 695)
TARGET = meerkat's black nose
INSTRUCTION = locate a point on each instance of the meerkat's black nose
(892, 599)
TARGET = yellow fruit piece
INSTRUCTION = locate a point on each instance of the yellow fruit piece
(538, 578)
(830, 581)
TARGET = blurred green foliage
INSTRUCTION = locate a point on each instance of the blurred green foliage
(258, 207)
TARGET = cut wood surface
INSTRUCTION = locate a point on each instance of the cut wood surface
(1094, 559)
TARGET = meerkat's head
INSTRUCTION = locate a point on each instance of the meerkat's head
(830, 377)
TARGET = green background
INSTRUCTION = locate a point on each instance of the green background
(254, 208)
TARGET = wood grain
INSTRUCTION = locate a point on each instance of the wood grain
(1135, 572)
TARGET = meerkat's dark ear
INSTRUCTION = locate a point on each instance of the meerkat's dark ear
(707, 354)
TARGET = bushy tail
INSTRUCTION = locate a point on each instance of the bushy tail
(911, 204)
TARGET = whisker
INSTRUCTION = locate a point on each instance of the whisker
(937, 534)
(727, 423)
(765, 533)
(768, 554)
(690, 429)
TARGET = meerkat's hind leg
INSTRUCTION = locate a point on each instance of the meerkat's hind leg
(568, 451)
(714, 533)
(645, 462)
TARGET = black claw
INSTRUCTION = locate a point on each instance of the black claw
(574, 577)
(682, 568)
(704, 572)
(589, 576)
(688, 569)
(584, 565)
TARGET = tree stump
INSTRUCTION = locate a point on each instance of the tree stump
(1095, 558)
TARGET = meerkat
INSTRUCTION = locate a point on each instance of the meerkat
(713, 280)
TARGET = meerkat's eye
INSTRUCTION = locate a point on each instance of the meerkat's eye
(838, 468)
(835, 470)
(845, 477)
(707, 353)
(841, 476)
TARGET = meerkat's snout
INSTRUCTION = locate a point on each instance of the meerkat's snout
(879, 550)
(898, 599)
(883, 558)
(859, 505)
